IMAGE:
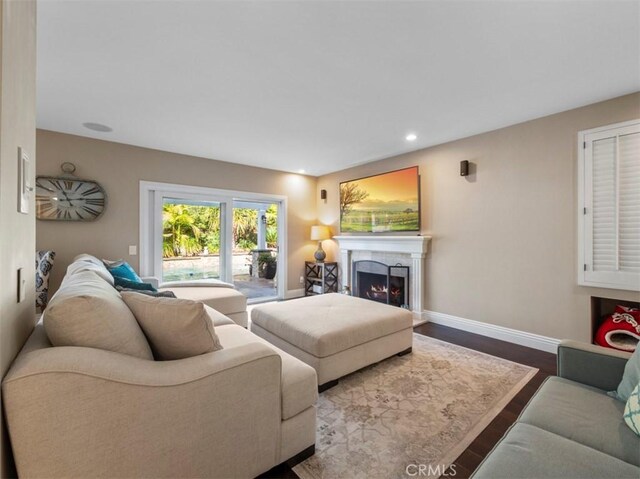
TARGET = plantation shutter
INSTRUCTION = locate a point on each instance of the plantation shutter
(611, 199)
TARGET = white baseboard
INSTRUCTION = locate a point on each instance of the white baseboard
(522, 338)
(294, 293)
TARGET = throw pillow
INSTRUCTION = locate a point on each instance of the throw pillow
(128, 284)
(632, 410)
(630, 378)
(86, 311)
(175, 328)
(44, 265)
(155, 294)
(122, 269)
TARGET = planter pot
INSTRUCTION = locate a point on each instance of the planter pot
(270, 270)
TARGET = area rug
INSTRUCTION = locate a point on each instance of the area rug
(410, 416)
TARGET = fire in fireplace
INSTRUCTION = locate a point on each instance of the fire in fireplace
(379, 282)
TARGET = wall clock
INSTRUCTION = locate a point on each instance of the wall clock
(66, 198)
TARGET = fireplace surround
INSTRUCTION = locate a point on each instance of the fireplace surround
(407, 250)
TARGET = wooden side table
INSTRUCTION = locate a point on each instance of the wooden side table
(320, 278)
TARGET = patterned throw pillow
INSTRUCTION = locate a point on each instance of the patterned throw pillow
(44, 265)
(632, 411)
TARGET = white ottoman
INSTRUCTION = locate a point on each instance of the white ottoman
(334, 333)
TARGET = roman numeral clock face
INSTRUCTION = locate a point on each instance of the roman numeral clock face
(68, 199)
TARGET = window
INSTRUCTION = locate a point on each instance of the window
(609, 202)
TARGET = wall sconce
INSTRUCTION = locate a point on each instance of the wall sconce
(464, 168)
(323, 194)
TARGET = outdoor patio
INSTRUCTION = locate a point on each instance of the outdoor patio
(208, 267)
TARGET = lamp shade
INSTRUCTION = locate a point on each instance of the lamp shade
(320, 232)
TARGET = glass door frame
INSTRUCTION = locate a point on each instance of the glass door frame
(152, 196)
(159, 199)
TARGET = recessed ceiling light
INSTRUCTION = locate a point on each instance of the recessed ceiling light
(411, 137)
(302, 172)
(97, 127)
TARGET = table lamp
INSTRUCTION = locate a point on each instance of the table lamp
(319, 233)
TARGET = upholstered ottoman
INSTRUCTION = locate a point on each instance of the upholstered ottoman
(334, 333)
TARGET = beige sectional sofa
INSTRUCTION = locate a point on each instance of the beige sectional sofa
(226, 300)
(87, 412)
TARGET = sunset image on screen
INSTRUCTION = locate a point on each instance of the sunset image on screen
(387, 202)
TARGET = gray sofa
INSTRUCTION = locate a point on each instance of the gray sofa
(571, 428)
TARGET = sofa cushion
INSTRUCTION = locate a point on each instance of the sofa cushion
(217, 317)
(175, 328)
(87, 311)
(530, 452)
(299, 382)
(585, 415)
(225, 300)
(330, 323)
(86, 262)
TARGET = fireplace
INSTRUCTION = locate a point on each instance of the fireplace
(382, 283)
(404, 250)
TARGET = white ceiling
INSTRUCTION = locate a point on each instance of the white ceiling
(321, 86)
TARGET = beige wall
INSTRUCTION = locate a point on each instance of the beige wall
(504, 240)
(17, 231)
(119, 169)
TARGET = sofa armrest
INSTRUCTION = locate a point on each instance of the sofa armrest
(83, 412)
(591, 365)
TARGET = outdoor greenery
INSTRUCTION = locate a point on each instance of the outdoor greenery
(192, 230)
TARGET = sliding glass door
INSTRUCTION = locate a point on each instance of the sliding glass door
(255, 249)
(191, 240)
(195, 234)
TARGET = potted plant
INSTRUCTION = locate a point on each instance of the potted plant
(268, 265)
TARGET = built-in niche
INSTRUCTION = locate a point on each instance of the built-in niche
(601, 308)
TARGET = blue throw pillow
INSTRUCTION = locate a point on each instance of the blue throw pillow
(630, 378)
(137, 285)
(124, 270)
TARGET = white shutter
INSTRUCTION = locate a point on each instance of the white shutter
(604, 205)
(629, 203)
(610, 206)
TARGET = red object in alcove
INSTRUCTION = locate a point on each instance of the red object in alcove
(621, 330)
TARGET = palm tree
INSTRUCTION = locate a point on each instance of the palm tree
(245, 228)
(180, 234)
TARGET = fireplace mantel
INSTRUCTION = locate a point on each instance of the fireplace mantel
(389, 244)
(414, 246)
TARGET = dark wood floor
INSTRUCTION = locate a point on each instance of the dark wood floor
(480, 447)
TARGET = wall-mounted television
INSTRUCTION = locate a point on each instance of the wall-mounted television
(384, 203)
